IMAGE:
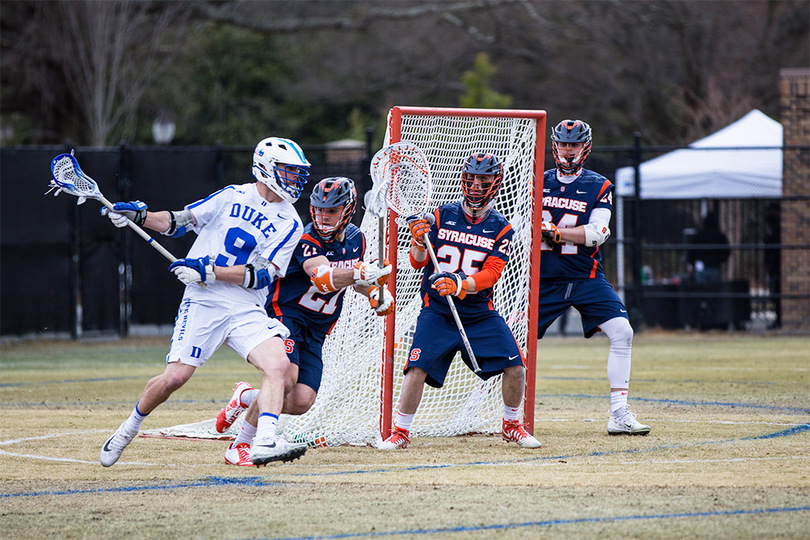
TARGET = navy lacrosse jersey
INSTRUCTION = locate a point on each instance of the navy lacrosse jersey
(568, 206)
(461, 246)
(295, 296)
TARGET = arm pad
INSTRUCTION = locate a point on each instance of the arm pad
(181, 222)
(259, 278)
(322, 278)
(596, 234)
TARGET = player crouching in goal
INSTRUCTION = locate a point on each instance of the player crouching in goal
(309, 300)
(473, 241)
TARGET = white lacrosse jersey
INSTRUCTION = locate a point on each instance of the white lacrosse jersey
(236, 226)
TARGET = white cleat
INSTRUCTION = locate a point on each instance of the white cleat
(513, 431)
(238, 455)
(264, 451)
(114, 446)
(623, 422)
(399, 438)
(233, 409)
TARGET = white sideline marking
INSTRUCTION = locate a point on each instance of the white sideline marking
(670, 421)
(68, 460)
(50, 436)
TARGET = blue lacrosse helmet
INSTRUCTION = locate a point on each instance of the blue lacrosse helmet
(570, 131)
(333, 192)
(476, 195)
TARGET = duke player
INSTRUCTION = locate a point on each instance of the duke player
(309, 300)
(246, 236)
(471, 241)
(577, 205)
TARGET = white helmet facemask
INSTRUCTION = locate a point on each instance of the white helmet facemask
(281, 166)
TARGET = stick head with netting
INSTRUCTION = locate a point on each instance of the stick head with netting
(401, 176)
(69, 177)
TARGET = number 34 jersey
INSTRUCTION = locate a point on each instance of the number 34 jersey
(295, 296)
(235, 226)
(568, 206)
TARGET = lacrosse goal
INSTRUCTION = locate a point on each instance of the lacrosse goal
(361, 384)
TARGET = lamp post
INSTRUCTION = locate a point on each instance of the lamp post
(163, 130)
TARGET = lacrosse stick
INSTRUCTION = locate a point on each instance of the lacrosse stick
(69, 177)
(401, 176)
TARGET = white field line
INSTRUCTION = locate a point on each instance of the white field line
(68, 460)
(675, 421)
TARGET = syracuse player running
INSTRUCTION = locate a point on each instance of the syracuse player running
(309, 300)
(472, 242)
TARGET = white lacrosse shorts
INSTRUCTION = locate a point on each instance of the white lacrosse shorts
(203, 327)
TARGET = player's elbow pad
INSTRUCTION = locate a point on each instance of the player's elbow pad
(264, 277)
(181, 223)
(258, 278)
(595, 234)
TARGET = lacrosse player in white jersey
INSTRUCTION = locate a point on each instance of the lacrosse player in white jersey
(246, 236)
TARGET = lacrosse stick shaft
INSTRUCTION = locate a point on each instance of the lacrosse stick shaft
(381, 241)
(453, 310)
(143, 234)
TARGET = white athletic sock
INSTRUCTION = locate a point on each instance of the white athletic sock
(618, 399)
(246, 434)
(266, 428)
(248, 396)
(511, 413)
(404, 421)
(133, 423)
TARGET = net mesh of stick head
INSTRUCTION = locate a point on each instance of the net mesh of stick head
(68, 176)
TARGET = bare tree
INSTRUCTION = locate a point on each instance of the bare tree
(107, 54)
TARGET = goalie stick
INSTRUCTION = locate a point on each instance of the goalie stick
(401, 176)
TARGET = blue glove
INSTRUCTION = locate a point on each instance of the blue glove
(450, 283)
(193, 270)
(134, 211)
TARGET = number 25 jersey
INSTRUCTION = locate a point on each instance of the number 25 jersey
(462, 246)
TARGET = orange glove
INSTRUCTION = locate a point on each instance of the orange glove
(371, 274)
(381, 305)
(450, 283)
(550, 232)
(419, 225)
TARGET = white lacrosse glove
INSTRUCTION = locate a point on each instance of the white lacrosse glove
(370, 274)
(134, 211)
(384, 306)
(194, 270)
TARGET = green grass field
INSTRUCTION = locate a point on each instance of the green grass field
(728, 457)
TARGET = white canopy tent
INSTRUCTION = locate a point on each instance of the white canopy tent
(714, 167)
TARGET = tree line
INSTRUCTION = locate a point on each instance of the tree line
(233, 71)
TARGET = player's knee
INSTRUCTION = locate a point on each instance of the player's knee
(619, 331)
(299, 400)
(515, 373)
(273, 367)
(173, 381)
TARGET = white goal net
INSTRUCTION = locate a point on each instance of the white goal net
(364, 355)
